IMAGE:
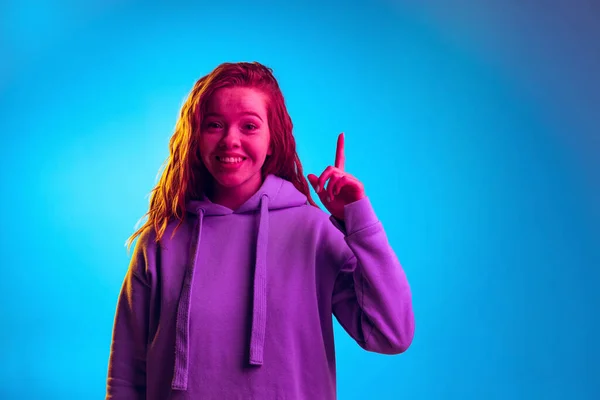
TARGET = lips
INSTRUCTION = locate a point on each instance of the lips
(232, 155)
(230, 160)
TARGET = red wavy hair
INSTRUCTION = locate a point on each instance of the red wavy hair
(184, 176)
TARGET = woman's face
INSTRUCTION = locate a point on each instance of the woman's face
(235, 140)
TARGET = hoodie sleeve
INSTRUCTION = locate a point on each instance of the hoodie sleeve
(127, 361)
(372, 298)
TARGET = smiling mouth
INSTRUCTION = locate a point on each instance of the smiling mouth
(230, 160)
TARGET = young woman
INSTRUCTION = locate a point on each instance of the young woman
(236, 274)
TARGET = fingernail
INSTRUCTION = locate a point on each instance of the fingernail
(329, 199)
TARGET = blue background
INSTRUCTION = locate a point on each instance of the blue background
(473, 125)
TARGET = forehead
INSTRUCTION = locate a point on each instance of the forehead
(237, 99)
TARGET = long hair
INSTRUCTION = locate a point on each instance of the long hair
(184, 176)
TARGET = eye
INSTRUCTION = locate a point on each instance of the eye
(250, 127)
(214, 125)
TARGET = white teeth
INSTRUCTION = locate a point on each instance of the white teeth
(231, 160)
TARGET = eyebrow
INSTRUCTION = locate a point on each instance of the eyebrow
(214, 114)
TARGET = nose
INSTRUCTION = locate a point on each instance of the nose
(231, 138)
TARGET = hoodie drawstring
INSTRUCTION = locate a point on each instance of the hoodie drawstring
(182, 327)
(259, 310)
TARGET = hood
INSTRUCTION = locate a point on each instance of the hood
(274, 194)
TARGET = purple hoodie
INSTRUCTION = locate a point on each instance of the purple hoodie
(238, 304)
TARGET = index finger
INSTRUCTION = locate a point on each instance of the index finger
(339, 153)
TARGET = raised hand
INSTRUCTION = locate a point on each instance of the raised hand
(335, 187)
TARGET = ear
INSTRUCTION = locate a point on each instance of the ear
(270, 151)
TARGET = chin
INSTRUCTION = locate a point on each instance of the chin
(231, 181)
(233, 178)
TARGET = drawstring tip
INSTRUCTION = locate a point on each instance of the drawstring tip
(179, 382)
(256, 361)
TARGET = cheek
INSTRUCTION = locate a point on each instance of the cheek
(264, 146)
(205, 150)
(260, 152)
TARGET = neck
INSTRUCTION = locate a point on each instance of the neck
(233, 197)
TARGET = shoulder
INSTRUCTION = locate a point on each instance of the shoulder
(148, 247)
(162, 260)
(175, 231)
(144, 252)
(146, 239)
(314, 219)
(325, 232)
(314, 214)
(317, 217)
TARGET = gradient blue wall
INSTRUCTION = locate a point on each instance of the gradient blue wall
(475, 128)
